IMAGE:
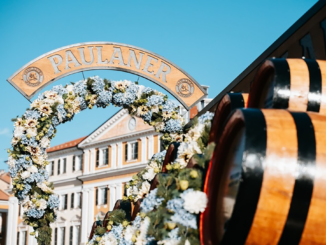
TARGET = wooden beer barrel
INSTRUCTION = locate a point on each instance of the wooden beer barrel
(95, 225)
(136, 209)
(228, 103)
(266, 182)
(294, 84)
(171, 155)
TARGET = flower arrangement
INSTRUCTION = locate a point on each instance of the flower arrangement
(169, 213)
(35, 129)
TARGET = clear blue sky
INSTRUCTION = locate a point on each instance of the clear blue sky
(214, 41)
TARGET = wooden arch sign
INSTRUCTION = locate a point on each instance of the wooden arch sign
(64, 61)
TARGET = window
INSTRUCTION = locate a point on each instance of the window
(24, 237)
(17, 238)
(101, 196)
(71, 235)
(105, 156)
(55, 236)
(78, 199)
(131, 151)
(59, 163)
(72, 200)
(134, 151)
(51, 168)
(77, 235)
(77, 163)
(64, 165)
(64, 201)
(97, 157)
(62, 235)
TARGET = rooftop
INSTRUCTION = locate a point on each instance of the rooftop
(66, 145)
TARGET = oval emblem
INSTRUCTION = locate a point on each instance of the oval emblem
(33, 76)
(185, 87)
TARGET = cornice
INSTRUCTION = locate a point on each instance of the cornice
(63, 152)
(62, 182)
(120, 138)
(102, 128)
(112, 172)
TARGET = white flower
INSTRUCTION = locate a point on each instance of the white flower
(49, 102)
(36, 104)
(194, 133)
(38, 159)
(108, 239)
(185, 151)
(19, 131)
(170, 241)
(187, 242)
(143, 231)
(155, 108)
(42, 204)
(44, 187)
(45, 109)
(19, 122)
(149, 175)
(32, 132)
(129, 232)
(11, 161)
(45, 142)
(142, 110)
(140, 91)
(159, 126)
(32, 169)
(76, 106)
(14, 141)
(194, 201)
(31, 123)
(25, 175)
(70, 88)
(35, 151)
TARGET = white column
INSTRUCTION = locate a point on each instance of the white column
(86, 162)
(91, 205)
(84, 224)
(150, 146)
(113, 198)
(119, 155)
(143, 149)
(159, 144)
(12, 221)
(93, 160)
(119, 191)
(31, 239)
(113, 156)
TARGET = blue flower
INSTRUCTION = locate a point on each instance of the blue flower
(169, 106)
(137, 222)
(159, 156)
(205, 117)
(154, 100)
(147, 117)
(82, 103)
(150, 202)
(98, 84)
(60, 90)
(30, 114)
(22, 162)
(26, 141)
(173, 126)
(119, 99)
(35, 213)
(104, 98)
(55, 121)
(147, 90)
(117, 231)
(175, 204)
(53, 201)
(13, 171)
(23, 194)
(61, 112)
(174, 233)
(80, 87)
(184, 218)
(130, 98)
(50, 131)
(133, 88)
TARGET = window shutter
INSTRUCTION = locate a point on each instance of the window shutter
(71, 239)
(66, 201)
(18, 238)
(96, 196)
(106, 156)
(73, 163)
(97, 157)
(65, 165)
(59, 166)
(72, 200)
(80, 199)
(126, 152)
(55, 236)
(105, 195)
(81, 159)
(136, 150)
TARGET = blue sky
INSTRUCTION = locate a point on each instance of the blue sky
(214, 41)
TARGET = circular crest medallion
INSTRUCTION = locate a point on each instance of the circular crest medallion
(33, 76)
(185, 87)
(132, 123)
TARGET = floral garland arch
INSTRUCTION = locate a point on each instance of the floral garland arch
(35, 129)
